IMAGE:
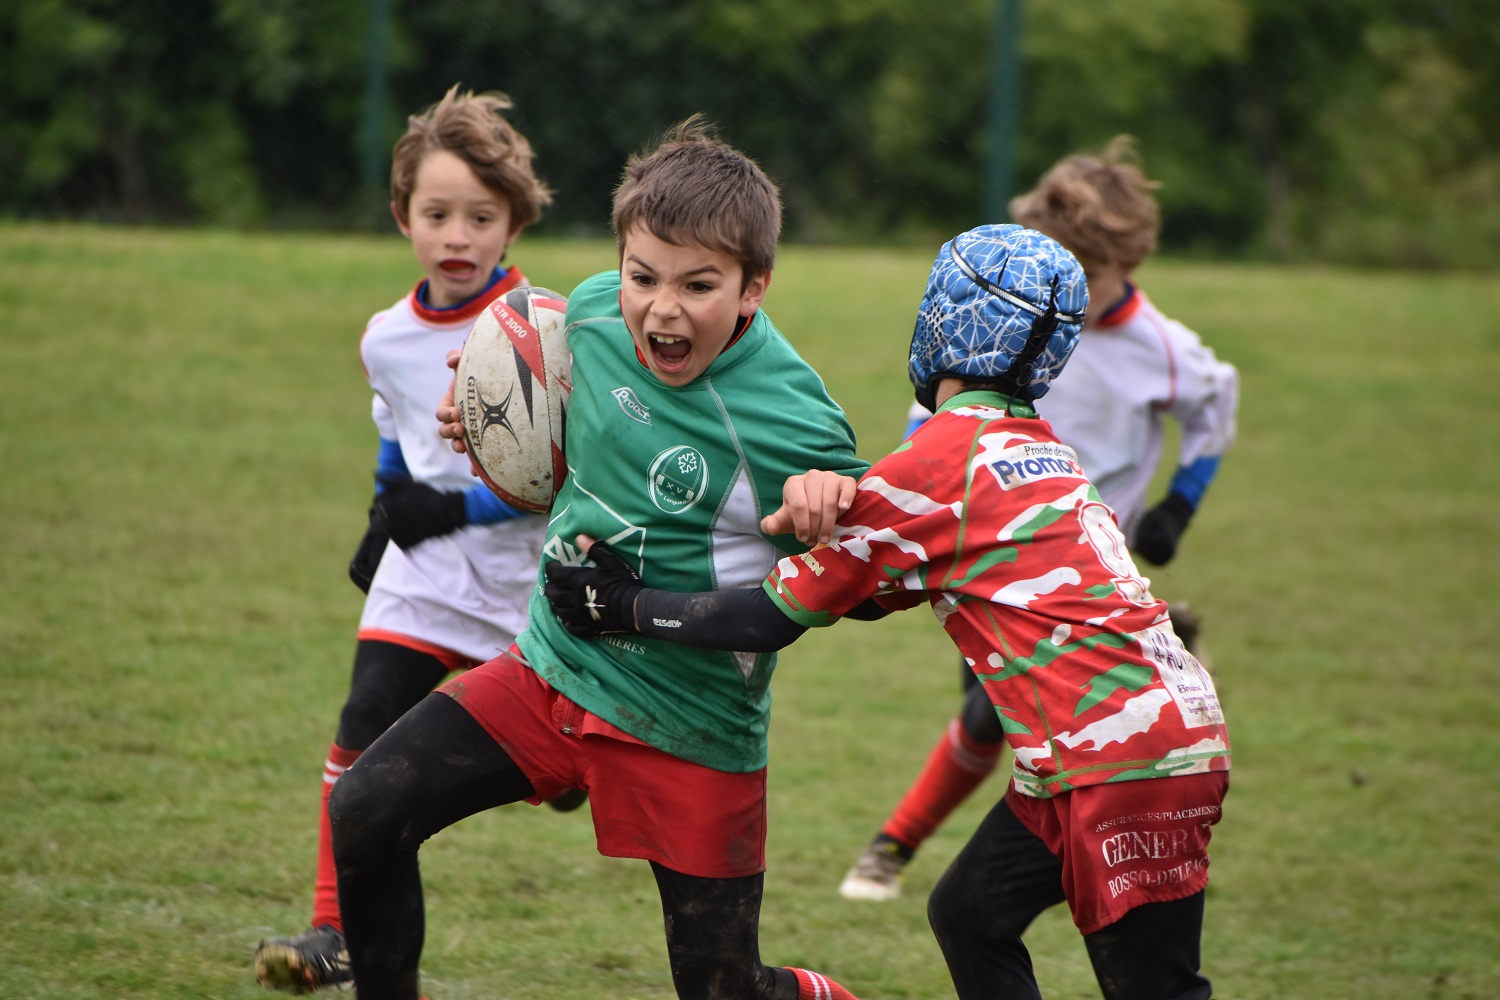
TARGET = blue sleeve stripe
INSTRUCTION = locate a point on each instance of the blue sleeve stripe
(483, 507)
(390, 464)
(1192, 480)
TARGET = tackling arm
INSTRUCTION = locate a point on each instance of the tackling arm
(608, 598)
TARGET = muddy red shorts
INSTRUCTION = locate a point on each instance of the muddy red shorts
(646, 803)
(1130, 843)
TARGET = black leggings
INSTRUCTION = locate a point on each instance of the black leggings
(387, 679)
(436, 766)
(1005, 877)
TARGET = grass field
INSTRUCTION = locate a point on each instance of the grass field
(185, 457)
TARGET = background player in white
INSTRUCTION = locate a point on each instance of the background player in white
(447, 565)
(1132, 366)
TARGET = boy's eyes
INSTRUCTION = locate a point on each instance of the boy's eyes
(696, 287)
(439, 214)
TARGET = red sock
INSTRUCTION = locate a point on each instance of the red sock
(816, 986)
(957, 765)
(326, 885)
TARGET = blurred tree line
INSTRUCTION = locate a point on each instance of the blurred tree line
(1363, 131)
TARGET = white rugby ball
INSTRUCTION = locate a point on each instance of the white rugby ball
(513, 381)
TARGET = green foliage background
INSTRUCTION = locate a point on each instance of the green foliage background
(1359, 131)
(187, 449)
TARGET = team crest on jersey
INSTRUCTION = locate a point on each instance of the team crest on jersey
(679, 477)
(633, 407)
(1031, 461)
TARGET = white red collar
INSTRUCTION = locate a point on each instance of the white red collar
(1122, 311)
(466, 311)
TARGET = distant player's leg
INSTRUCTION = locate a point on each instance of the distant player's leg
(713, 942)
(428, 771)
(387, 679)
(1002, 879)
(965, 755)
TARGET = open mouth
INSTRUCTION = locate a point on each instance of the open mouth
(458, 268)
(670, 353)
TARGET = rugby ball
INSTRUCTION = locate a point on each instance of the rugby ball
(512, 386)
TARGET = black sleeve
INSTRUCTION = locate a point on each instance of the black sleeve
(867, 611)
(746, 619)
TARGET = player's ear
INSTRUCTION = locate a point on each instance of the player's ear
(400, 218)
(754, 293)
(511, 237)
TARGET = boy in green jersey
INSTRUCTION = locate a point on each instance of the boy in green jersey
(689, 412)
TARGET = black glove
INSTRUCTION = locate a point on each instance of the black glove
(367, 557)
(414, 512)
(597, 599)
(1160, 528)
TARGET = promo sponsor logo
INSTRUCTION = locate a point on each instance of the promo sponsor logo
(1029, 463)
(633, 407)
(678, 479)
(812, 563)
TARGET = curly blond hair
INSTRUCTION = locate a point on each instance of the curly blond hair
(1100, 207)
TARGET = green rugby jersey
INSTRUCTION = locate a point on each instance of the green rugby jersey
(677, 479)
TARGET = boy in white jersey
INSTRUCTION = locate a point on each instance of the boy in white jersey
(1121, 756)
(447, 566)
(1131, 366)
(688, 413)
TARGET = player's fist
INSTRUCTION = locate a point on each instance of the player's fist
(414, 512)
(810, 506)
(1161, 527)
(597, 599)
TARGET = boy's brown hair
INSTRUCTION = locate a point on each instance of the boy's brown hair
(1100, 207)
(693, 187)
(473, 128)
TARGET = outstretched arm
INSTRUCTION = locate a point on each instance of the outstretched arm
(608, 598)
(743, 619)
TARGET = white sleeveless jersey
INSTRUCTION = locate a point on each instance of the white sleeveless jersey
(467, 591)
(1107, 403)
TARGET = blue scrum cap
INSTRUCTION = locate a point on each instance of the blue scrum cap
(1004, 304)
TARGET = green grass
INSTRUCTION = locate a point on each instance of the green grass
(185, 452)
